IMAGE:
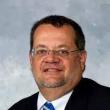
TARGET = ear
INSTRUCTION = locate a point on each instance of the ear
(30, 58)
(83, 59)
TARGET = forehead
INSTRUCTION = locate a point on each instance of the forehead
(47, 34)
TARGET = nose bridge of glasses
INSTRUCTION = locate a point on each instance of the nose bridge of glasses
(52, 57)
(52, 52)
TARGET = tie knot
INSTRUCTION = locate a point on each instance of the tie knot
(48, 106)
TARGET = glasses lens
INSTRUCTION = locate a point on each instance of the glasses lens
(41, 52)
(62, 52)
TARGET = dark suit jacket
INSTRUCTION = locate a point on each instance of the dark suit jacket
(88, 95)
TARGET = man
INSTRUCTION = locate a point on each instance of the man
(57, 58)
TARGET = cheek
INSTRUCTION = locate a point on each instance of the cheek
(35, 65)
(73, 66)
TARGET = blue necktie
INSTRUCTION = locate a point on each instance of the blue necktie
(48, 106)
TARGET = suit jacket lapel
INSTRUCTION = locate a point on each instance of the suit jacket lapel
(78, 99)
(33, 102)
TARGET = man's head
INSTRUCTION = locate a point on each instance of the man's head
(57, 53)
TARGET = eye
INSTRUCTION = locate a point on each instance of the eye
(63, 52)
(41, 51)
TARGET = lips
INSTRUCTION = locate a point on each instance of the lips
(52, 68)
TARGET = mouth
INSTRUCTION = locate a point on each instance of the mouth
(52, 70)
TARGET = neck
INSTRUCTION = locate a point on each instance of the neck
(52, 94)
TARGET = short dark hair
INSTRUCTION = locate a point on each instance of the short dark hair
(59, 21)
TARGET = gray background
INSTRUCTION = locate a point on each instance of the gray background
(16, 20)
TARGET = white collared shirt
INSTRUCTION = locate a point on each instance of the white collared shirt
(58, 104)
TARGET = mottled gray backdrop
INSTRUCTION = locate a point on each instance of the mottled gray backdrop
(16, 20)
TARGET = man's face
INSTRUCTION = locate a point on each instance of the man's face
(52, 70)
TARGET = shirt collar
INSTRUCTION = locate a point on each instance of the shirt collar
(59, 103)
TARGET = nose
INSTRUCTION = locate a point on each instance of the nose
(52, 58)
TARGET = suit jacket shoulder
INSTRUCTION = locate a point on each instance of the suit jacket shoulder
(29, 103)
(89, 95)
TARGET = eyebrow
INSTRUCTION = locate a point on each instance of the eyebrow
(40, 46)
(63, 46)
(59, 46)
